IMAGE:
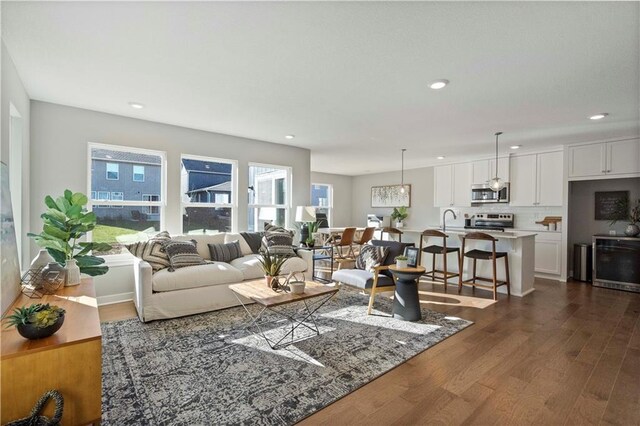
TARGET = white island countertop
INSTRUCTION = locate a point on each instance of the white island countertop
(460, 230)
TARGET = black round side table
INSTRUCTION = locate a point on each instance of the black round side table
(406, 302)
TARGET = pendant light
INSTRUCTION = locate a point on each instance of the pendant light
(402, 173)
(496, 183)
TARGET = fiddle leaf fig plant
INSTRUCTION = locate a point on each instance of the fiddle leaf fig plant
(65, 222)
(399, 213)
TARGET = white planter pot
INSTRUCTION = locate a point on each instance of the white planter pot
(399, 225)
(401, 264)
(73, 273)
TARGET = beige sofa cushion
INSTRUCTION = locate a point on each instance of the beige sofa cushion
(244, 247)
(196, 276)
(203, 242)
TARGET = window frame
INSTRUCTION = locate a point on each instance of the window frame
(233, 202)
(330, 206)
(162, 205)
(106, 171)
(288, 192)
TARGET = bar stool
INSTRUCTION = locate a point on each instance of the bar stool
(484, 255)
(435, 250)
(391, 231)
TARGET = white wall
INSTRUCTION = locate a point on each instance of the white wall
(341, 196)
(59, 136)
(421, 213)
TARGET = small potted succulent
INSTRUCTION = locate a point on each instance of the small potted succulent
(36, 321)
(271, 266)
(401, 261)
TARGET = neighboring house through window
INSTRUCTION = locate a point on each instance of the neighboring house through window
(322, 199)
(208, 194)
(269, 195)
(126, 212)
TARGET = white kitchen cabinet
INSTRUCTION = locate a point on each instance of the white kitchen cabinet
(485, 170)
(548, 253)
(606, 159)
(536, 179)
(452, 185)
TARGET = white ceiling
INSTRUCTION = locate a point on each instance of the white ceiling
(348, 79)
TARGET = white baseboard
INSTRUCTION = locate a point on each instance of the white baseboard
(115, 298)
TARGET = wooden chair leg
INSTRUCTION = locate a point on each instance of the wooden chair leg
(495, 279)
(433, 267)
(506, 272)
(371, 298)
(444, 264)
(461, 267)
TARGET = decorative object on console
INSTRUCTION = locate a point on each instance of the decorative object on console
(399, 214)
(36, 321)
(36, 418)
(65, 222)
(41, 260)
(53, 276)
(391, 196)
(401, 261)
(496, 183)
(306, 215)
(73, 272)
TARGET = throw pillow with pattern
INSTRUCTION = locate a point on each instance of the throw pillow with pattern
(370, 257)
(278, 243)
(151, 251)
(274, 228)
(225, 252)
(182, 253)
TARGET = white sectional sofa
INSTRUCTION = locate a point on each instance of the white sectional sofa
(201, 288)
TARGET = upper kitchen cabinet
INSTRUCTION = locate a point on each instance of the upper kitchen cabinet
(607, 159)
(536, 179)
(484, 170)
(452, 185)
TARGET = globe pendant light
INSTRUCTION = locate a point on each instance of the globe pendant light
(402, 173)
(496, 184)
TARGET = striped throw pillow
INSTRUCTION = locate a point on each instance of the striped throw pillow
(151, 251)
(225, 252)
(182, 253)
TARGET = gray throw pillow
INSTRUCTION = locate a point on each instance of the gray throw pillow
(254, 239)
(152, 251)
(370, 257)
(182, 253)
(225, 252)
(280, 243)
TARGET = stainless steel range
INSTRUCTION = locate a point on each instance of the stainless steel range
(491, 221)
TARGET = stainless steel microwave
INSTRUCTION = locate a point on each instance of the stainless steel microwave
(482, 193)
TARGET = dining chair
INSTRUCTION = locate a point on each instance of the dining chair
(367, 235)
(344, 241)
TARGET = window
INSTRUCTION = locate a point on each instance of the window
(113, 171)
(126, 213)
(138, 173)
(117, 196)
(208, 188)
(322, 199)
(269, 196)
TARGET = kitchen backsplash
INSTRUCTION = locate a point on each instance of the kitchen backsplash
(525, 217)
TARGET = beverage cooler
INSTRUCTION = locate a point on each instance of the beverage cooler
(616, 262)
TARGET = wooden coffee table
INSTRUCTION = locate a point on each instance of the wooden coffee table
(314, 297)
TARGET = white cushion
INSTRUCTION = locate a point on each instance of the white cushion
(249, 266)
(202, 242)
(244, 247)
(294, 264)
(196, 276)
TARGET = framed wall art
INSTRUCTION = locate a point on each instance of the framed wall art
(611, 205)
(390, 196)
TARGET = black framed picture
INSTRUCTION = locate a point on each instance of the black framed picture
(611, 205)
(412, 256)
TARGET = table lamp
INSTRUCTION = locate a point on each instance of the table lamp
(305, 214)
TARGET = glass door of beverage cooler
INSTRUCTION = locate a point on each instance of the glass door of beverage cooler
(616, 262)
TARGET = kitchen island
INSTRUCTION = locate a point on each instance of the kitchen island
(519, 244)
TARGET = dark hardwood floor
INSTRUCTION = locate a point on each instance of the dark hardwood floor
(565, 354)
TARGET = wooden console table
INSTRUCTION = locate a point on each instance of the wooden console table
(70, 360)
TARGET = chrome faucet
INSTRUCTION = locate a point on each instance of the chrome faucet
(444, 224)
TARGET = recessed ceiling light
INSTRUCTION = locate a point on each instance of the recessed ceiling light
(136, 105)
(440, 157)
(515, 146)
(289, 136)
(599, 116)
(439, 84)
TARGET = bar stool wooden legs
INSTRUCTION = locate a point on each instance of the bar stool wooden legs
(492, 255)
(434, 250)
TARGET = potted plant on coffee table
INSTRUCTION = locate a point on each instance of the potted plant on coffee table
(66, 221)
(271, 266)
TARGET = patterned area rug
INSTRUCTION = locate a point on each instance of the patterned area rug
(208, 369)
